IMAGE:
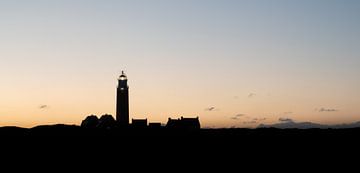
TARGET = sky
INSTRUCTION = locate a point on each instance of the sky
(233, 63)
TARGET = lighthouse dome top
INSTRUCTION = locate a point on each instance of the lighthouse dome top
(123, 76)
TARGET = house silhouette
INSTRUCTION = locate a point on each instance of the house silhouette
(183, 123)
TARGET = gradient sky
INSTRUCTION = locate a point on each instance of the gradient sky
(253, 61)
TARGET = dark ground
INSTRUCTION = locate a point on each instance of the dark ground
(158, 147)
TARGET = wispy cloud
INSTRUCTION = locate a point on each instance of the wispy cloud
(237, 116)
(286, 120)
(251, 95)
(250, 122)
(309, 125)
(259, 119)
(210, 109)
(43, 106)
(254, 121)
(328, 110)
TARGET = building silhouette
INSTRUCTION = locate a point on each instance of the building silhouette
(154, 125)
(122, 101)
(183, 123)
(122, 115)
(139, 123)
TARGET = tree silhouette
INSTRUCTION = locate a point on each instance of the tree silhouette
(91, 121)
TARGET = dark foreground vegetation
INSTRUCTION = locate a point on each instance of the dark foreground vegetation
(164, 137)
(164, 146)
(233, 134)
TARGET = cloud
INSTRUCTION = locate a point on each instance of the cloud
(250, 122)
(43, 107)
(259, 119)
(254, 121)
(328, 110)
(210, 109)
(237, 116)
(309, 125)
(286, 120)
(251, 95)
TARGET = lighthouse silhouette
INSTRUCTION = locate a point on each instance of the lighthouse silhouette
(122, 101)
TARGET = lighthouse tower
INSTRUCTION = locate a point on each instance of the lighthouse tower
(122, 101)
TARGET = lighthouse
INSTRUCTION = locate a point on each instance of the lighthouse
(122, 101)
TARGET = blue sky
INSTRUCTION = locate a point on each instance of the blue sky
(295, 55)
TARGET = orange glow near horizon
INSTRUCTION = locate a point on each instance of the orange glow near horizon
(157, 103)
